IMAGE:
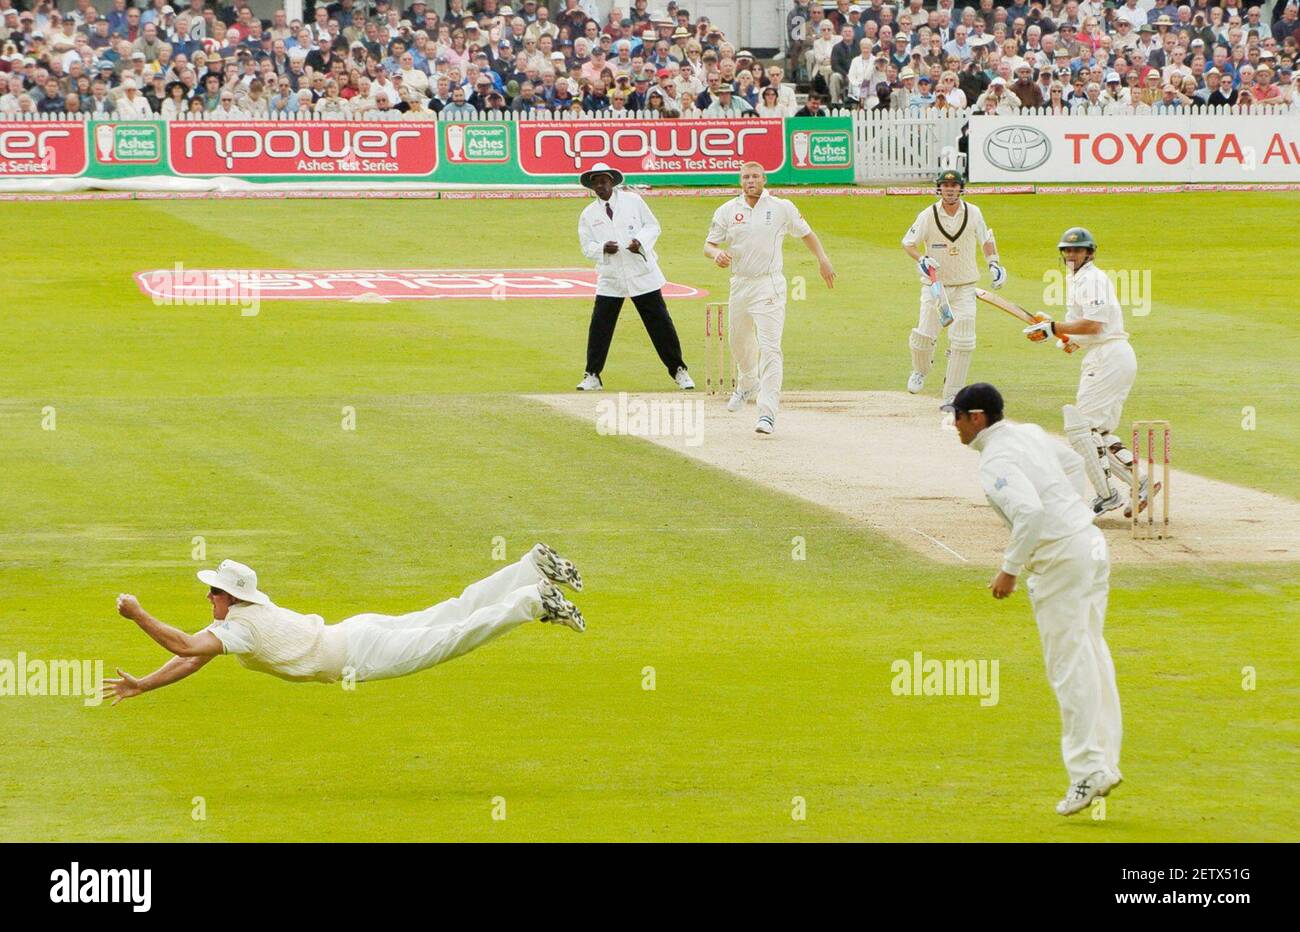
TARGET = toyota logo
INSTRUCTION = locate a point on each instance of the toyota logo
(1017, 148)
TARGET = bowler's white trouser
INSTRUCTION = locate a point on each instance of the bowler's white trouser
(383, 646)
(1068, 583)
(1109, 371)
(755, 321)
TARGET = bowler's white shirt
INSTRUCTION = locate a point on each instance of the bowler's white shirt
(1036, 486)
(625, 274)
(756, 235)
(1090, 295)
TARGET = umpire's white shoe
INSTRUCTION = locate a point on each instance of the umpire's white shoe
(554, 567)
(739, 398)
(1102, 505)
(683, 379)
(915, 382)
(765, 425)
(557, 610)
(1081, 794)
(590, 383)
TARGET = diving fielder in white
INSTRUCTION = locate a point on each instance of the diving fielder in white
(1036, 486)
(265, 637)
(747, 235)
(1095, 321)
(947, 239)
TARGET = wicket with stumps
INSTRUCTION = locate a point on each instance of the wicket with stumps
(1158, 491)
(719, 367)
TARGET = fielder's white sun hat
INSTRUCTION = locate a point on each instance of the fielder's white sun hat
(237, 580)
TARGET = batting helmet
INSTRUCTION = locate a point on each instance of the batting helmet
(1077, 236)
(949, 175)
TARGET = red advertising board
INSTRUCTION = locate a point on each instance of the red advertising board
(42, 149)
(650, 147)
(306, 150)
(199, 286)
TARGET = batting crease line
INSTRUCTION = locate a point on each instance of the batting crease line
(939, 543)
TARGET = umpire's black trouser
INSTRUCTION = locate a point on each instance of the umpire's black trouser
(654, 314)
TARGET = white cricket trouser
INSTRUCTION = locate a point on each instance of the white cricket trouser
(383, 646)
(961, 298)
(1068, 583)
(1109, 371)
(755, 321)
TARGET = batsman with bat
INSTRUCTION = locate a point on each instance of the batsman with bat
(946, 241)
(1094, 321)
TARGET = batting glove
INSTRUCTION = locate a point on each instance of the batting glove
(1040, 331)
(999, 275)
(929, 268)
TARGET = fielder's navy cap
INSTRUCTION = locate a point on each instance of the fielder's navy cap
(978, 396)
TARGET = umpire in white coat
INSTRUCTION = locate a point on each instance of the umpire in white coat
(619, 232)
(1037, 487)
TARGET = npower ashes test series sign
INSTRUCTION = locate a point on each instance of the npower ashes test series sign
(46, 150)
(304, 150)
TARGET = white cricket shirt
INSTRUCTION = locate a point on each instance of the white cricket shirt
(956, 243)
(756, 235)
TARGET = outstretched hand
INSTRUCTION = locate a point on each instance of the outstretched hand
(120, 689)
(828, 273)
(128, 606)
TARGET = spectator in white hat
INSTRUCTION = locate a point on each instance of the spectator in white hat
(131, 104)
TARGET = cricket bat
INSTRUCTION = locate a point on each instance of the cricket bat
(940, 295)
(1018, 312)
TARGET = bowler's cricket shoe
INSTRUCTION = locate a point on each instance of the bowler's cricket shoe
(557, 610)
(590, 383)
(739, 397)
(765, 425)
(1102, 505)
(915, 382)
(1144, 496)
(683, 379)
(554, 567)
(1080, 795)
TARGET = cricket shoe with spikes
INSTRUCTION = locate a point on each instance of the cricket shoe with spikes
(915, 382)
(590, 383)
(739, 397)
(1081, 794)
(765, 425)
(1144, 497)
(556, 568)
(1102, 505)
(683, 379)
(557, 610)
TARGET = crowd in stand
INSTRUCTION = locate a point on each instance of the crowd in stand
(1067, 56)
(397, 59)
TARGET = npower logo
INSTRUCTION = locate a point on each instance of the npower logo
(42, 149)
(1017, 148)
(325, 148)
(651, 147)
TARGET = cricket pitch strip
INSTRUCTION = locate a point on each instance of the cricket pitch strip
(883, 460)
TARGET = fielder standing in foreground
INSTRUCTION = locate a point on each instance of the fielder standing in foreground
(754, 226)
(270, 639)
(1036, 486)
(1095, 321)
(618, 230)
(946, 240)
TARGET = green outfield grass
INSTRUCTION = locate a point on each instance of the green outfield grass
(772, 674)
